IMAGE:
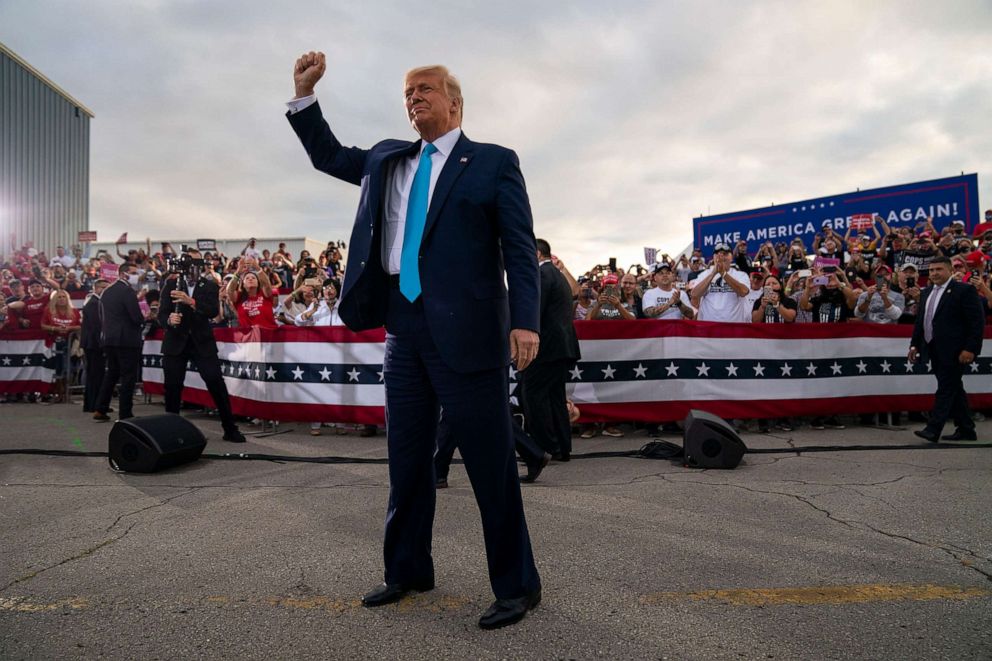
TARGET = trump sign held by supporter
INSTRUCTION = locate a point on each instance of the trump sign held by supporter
(944, 200)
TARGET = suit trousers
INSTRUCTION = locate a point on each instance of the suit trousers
(208, 366)
(950, 400)
(122, 363)
(96, 367)
(543, 398)
(475, 404)
(527, 449)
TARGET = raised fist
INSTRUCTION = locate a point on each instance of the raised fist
(308, 70)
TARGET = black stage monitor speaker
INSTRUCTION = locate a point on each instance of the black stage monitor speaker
(710, 442)
(154, 443)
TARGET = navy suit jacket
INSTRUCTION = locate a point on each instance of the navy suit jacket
(478, 224)
(958, 322)
(121, 318)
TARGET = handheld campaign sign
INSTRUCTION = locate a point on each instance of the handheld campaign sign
(944, 200)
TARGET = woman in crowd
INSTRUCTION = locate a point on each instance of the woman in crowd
(585, 300)
(322, 311)
(295, 304)
(612, 303)
(59, 320)
(274, 280)
(251, 294)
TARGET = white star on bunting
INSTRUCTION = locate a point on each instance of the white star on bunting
(576, 373)
(885, 367)
(26, 361)
(974, 367)
(353, 375)
(513, 373)
(672, 369)
(380, 376)
(703, 370)
(909, 366)
(787, 370)
(731, 370)
(641, 371)
(270, 373)
(298, 373)
(759, 370)
(6, 360)
(836, 368)
(608, 372)
(811, 370)
(325, 374)
(862, 367)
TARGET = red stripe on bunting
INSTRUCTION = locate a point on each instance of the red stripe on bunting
(747, 409)
(12, 387)
(363, 415)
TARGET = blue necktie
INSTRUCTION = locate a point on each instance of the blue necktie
(413, 232)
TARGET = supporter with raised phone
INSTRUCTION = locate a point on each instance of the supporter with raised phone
(773, 307)
(251, 293)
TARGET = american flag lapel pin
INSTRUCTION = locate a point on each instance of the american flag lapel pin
(464, 159)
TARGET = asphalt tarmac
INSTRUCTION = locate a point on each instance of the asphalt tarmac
(798, 555)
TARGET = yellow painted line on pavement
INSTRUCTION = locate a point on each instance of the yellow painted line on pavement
(821, 595)
(25, 605)
(418, 602)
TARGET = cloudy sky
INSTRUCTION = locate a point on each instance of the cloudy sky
(630, 118)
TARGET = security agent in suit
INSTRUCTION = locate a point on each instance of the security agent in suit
(438, 221)
(91, 341)
(187, 304)
(948, 332)
(121, 334)
(543, 382)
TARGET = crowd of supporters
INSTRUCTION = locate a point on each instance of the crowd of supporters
(871, 275)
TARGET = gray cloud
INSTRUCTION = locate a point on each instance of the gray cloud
(629, 119)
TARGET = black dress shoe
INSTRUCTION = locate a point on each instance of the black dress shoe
(533, 470)
(561, 456)
(234, 436)
(441, 483)
(959, 435)
(388, 593)
(927, 435)
(505, 612)
(100, 416)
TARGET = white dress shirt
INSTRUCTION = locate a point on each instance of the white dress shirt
(399, 179)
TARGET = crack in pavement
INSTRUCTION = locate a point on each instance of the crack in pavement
(150, 507)
(82, 554)
(853, 524)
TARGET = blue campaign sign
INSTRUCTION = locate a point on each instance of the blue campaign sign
(944, 200)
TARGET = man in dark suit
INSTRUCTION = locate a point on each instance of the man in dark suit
(543, 383)
(948, 332)
(91, 341)
(121, 333)
(438, 219)
(186, 307)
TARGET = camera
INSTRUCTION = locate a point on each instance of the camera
(910, 282)
(183, 263)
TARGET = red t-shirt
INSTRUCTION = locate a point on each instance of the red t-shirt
(256, 311)
(34, 311)
(61, 322)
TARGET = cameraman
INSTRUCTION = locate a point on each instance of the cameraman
(189, 301)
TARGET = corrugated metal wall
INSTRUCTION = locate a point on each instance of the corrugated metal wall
(44, 161)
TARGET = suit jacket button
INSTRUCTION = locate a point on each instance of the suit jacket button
(363, 264)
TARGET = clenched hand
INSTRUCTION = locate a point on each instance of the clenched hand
(308, 70)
